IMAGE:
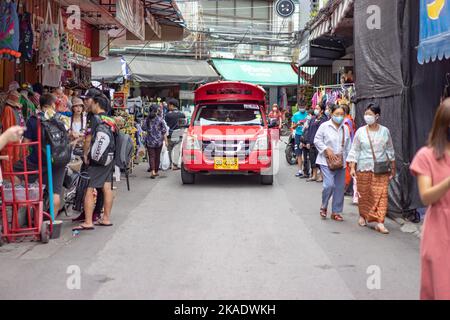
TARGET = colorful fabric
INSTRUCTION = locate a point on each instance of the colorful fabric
(9, 30)
(373, 196)
(26, 37)
(435, 256)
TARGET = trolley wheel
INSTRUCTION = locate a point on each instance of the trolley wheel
(45, 233)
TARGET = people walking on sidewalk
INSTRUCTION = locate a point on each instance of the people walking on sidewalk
(318, 119)
(298, 123)
(100, 169)
(333, 143)
(372, 165)
(431, 165)
(173, 118)
(156, 135)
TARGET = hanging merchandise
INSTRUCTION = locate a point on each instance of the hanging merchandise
(64, 50)
(49, 46)
(26, 37)
(51, 76)
(9, 30)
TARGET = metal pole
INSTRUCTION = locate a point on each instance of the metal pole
(50, 182)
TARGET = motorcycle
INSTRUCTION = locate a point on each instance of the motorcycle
(291, 157)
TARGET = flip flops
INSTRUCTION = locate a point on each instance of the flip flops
(102, 224)
(83, 228)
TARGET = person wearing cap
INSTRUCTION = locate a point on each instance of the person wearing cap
(91, 123)
(173, 118)
(10, 116)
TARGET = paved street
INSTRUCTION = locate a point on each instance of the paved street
(223, 238)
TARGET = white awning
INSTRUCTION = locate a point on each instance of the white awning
(340, 12)
(154, 69)
(321, 29)
(332, 22)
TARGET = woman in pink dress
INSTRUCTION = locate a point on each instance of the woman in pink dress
(432, 167)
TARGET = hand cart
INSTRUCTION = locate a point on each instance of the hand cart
(17, 200)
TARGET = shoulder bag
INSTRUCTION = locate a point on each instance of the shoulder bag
(338, 162)
(383, 167)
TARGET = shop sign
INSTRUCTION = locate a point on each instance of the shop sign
(305, 54)
(80, 44)
(187, 95)
(119, 100)
(130, 13)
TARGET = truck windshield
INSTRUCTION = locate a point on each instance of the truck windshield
(229, 114)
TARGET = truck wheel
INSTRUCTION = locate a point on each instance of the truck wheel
(267, 180)
(187, 177)
(1, 236)
(45, 233)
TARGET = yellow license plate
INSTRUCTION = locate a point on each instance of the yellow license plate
(226, 164)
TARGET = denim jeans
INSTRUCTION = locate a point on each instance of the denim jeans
(333, 186)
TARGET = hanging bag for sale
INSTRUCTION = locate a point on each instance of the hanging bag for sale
(49, 45)
(64, 50)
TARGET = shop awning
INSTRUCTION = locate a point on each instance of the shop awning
(330, 18)
(112, 69)
(257, 72)
(170, 70)
(434, 31)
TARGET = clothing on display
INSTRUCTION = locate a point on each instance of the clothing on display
(9, 30)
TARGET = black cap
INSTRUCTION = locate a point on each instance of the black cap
(92, 93)
(173, 102)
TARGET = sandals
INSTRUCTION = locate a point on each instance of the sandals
(362, 222)
(311, 180)
(381, 229)
(323, 213)
(102, 224)
(83, 228)
(337, 217)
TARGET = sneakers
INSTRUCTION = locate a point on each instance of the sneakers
(299, 174)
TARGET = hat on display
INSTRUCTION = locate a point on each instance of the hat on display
(14, 86)
(13, 99)
(28, 87)
(35, 99)
(77, 102)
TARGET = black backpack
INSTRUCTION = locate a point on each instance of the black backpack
(55, 134)
(103, 146)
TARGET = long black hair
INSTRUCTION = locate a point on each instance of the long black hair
(153, 113)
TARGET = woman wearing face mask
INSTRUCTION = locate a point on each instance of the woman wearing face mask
(156, 135)
(372, 162)
(431, 165)
(333, 144)
(317, 120)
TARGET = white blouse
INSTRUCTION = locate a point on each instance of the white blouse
(361, 153)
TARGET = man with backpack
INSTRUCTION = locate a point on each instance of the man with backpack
(54, 133)
(99, 157)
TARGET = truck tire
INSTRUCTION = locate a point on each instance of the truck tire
(187, 177)
(267, 180)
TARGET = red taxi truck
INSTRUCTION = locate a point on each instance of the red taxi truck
(229, 133)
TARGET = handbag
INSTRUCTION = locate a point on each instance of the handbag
(49, 41)
(338, 163)
(382, 167)
(64, 49)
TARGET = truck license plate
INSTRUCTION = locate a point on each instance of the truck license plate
(226, 164)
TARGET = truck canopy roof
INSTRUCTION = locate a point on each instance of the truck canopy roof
(230, 91)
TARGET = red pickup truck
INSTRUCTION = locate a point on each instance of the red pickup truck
(229, 133)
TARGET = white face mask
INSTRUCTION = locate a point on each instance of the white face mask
(370, 120)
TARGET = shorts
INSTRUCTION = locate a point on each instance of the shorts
(58, 174)
(313, 153)
(99, 175)
(298, 150)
